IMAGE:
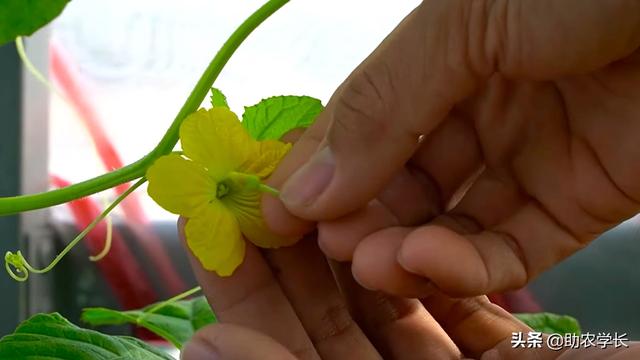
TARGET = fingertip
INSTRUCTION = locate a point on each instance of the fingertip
(339, 238)
(301, 191)
(447, 258)
(280, 221)
(333, 246)
(197, 349)
(375, 266)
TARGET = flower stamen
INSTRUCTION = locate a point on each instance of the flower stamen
(221, 190)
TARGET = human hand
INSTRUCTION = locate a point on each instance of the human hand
(529, 113)
(285, 304)
(291, 303)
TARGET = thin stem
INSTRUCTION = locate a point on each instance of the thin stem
(24, 268)
(33, 70)
(178, 297)
(269, 190)
(16, 204)
(107, 242)
(253, 182)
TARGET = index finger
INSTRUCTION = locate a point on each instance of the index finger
(253, 298)
(276, 215)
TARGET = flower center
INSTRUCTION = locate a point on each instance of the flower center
(222, 190)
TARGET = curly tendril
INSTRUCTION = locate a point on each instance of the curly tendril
(107, 241)
(19, 263)
(22, 266)
(34, 71)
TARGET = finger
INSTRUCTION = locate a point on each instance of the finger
(500, 238)
(504, 350)
(390, 259)
(375, 266)
(308, 283)
(276, 215)
(253, 298)
(611, 353)
(424, 187)
(338, 239)
(464, 319)
(544, 39)
(437, 57)
(376, 118)
(400, 328)
(417, 193)
(412, 197)
(229, 342)
(486, 261)
(449, 157)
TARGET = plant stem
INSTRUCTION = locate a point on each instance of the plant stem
(107, 240)
(24, 268)
(17, 204)
(33, 70)
(178, 297)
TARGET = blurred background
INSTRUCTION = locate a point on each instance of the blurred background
(121, 71)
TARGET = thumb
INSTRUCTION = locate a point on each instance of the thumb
(438, 56)
(229, 342)
(373, 122)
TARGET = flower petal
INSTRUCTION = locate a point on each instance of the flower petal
(266, 155)
(216, 139)
(179, 185)
(245, 206)
(234, 259)
(213, 238)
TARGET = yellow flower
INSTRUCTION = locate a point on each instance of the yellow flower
(216, 184)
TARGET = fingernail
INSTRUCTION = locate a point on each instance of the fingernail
(308, 182)
(196, 350)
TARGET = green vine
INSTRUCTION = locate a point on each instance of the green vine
(22, 266)
(17, 204)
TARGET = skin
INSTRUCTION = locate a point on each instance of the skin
(480, 144)
(497, 135)
(291, 303)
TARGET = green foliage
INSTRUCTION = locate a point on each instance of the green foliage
(176, 322)
(51, 336)
(271, 118)
(24, 17)
(550, 323)
(218, 99)
(15, 204)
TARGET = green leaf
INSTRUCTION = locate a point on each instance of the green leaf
(24, 17)
(271, 118)
(176, 322)
(218, 99)
(550, 323)
(51, 337)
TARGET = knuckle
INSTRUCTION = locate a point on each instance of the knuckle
(522, 272)
(391, 310)
(361, 107)
(503, 33)
(335, 321)
(461, 312)
(331, 245)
